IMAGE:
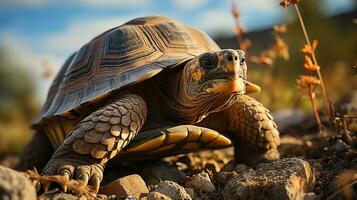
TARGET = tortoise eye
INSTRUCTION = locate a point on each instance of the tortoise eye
(208, 60)
(242, 57)
(242, 61)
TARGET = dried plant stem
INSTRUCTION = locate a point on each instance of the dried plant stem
(316, 113)
(314, 60)
(238, 26)
(239, 36)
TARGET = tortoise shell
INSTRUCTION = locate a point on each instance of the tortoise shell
(119, 57)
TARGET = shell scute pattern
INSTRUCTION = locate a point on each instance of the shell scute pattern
(122, 56)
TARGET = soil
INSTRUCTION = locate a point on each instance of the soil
(333, 160)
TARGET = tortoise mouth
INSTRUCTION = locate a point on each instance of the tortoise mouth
(227, 76)
(229, 79)
(225, 85)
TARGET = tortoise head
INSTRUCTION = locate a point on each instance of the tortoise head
(222, 72)
(217, 78)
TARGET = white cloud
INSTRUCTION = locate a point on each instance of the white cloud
(331, 7)
(18, 51)
(96, 3)
(34, 3)
(79, 32)
(251, 5)
(189, 4)
(215, 21)
(121, 3)
(219, 21)
(31, 53)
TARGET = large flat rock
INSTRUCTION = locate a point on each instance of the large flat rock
(289, 178)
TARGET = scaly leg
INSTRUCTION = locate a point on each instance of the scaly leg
(253, 126)
(96, 139)
(173, 140)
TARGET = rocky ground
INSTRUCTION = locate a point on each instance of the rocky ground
(311, 167)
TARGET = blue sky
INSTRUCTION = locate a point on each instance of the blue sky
(38, 32)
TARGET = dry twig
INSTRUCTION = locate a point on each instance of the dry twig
(244, 44)
(309, 82)
(75, 186)
(311, 63)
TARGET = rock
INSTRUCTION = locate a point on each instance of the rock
(131, 197)
(191, 192)
(224, 177)
(55, 195)
(339, 146)
(173, 190)
(15, 185)
(201, 183)
(132, 185)
(289, 178)
(310, 196)
(162, 171)
(241, 167)
(157, 196)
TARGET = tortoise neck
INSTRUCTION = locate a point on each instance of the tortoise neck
(183, 104)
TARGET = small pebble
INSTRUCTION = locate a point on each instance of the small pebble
(173, 190)
(201, 183)
(157, 196)
(241, 168)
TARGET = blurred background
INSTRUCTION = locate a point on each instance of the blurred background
(36, 36)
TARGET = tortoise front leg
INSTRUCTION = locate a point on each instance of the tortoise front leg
(96, 139)
(252, 126)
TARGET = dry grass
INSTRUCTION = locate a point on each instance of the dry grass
(309, 82)
(240, 30)
(266, 58)
(75, 186)
(311, 65)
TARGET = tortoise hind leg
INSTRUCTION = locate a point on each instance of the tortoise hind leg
(173, 140)
(36, 153)
(96, 139)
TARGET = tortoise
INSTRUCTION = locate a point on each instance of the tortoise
(149, 88)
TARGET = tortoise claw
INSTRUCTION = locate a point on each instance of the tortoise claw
(66, 176)
(37, 185)
(64, 187)
(46, 186)
(96, 184)
(78, 168)
(84, 178)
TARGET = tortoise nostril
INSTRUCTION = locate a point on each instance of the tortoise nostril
(232, 57)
